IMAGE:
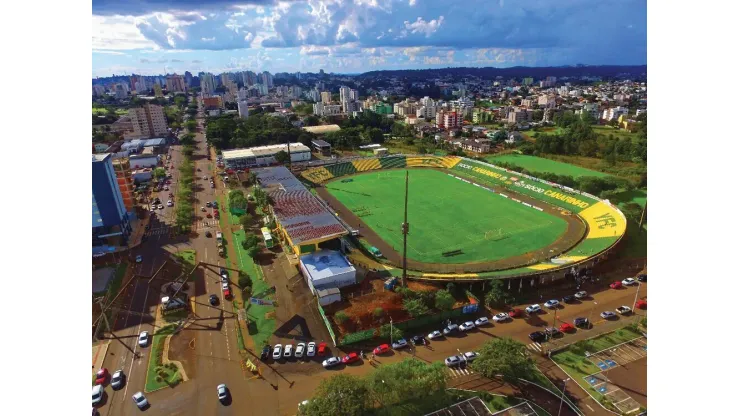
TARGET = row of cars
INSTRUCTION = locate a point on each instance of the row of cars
(117, 380)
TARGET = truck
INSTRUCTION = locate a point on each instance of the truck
(624, 310)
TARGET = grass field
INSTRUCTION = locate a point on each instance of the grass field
(445, 215)
(538, 164)
(618, 133)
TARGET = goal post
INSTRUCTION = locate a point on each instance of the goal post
(493, 234)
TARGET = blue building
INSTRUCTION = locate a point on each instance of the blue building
(111, 227)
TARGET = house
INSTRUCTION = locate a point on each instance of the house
(477, 145)
(514, 137)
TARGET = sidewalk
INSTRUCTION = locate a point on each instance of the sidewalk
(98, 355)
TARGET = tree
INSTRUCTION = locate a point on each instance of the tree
(378, 313)
(385, 332)
(244, 280)
(191, 125)
(342, 394)
(311, 121)
(505, 357)
(443, 300)
(187, 139)
(282, 157)
(245, 220)
(406, 380)
(415, 307)
(497, 295)
(159, 173)
(341, 317)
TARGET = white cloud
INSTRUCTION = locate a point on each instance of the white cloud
(117, 33)
(422, 26)
(413, 2)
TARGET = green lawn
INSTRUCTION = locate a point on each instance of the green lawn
(538, 164)
(446, 214)
(154, 367)
(573, 359)
(607, 130)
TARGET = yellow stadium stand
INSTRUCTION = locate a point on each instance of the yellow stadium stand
(317, 175)
(603, 221)
(450, 161)
(366, 164)
(424, 162)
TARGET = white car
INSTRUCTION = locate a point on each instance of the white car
(331, 362)
(223, 392)
(116, 380)
(277, 352)
(581, 295)
(97, 394)
(533, 309)
(153, 208)
(205, 178)
(470, 355)
(624, 310)
(160, 206)
(481, 321)
(311, 350)
(608, 314)
(203, 209)
(225, 285)
(467, 326)
(629, 281)
(434, 334)
(140, 400)
(501, 317)
(453, 361)
(143, 338)
(288, 351)
(169, 203)
(552, 304)
(299, 349)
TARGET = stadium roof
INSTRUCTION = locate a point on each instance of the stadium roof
(263, 151)
(322, 129)
(300, 214)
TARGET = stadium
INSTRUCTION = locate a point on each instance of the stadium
(469, 220)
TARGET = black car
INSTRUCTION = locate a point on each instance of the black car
(208, 234)
(417, 339)
(581, 322)
(642, 278)
(223, 272)
(537, 336)
(265, 352)
(213, 300)
(569, 298)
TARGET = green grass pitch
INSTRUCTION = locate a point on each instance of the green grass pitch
(446, 214)
(538, 164)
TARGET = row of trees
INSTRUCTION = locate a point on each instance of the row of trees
(418, 303)
(228, 132)
(183, 205)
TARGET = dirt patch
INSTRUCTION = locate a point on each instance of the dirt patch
(180, 351)
(360, 308)
(420, 286)
(632, 379)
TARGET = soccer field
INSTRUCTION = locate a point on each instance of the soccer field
(446, 215)
(538, 164)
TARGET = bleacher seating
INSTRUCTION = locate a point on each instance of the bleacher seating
(367, 164)
(450, 161)
(317, 175)
(341, 169)
(393, 162)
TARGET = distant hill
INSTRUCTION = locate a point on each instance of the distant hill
(603, 71)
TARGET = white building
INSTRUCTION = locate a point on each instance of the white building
(243, 107)
(321, 109)
(207, 84)
(326, 269)
(267, 80)
(426, 111)
(148, 121)
(614, 113)
(263, 155)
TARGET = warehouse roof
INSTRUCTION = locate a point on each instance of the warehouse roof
(155, 142)
(100, 157)
(300, 214)
(263, 151)
(325, 264)
(320, 143)
(322, 129)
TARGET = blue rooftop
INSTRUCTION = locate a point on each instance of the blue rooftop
(325, 263)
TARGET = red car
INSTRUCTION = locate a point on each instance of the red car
(227, 293)
(322, 348)
(616, 285)
(168, 182)
(381, 349)
(515, 313)
(215, 213)
(566, 327)
(350, 358)
(101, 376)
(641, 304)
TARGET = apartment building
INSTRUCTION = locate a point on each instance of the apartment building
(519, 115)
(614, 113)
(448, 119)
(321, 109)
(326, 97)
(148, 121)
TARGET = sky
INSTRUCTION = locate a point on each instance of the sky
(153, 37)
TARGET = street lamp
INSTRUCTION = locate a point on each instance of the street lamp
(634, 304)
(591, 313)
(562, 397)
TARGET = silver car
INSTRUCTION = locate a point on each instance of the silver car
(97, 394)
(143, 339)
(331, 362)
(116, 381)
(223, 392)
(140, 400)
(299, 349)
(311, 350)
(277, 352)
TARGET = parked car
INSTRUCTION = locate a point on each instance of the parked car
(208, 204)
(401, 343)
(453, 361)
(311, 350)
(323, 348)
(277, 352)
(434, 334)
(288, 351)
(117, 380)
(450, 329)
(624, 310)
(482, 321)
(641, 304)
(223, 392)
(581, 322)
(140, 400)
(501, 317)
(265, 352)
(139, 258)
(208, 234)
(213, 300)
(531, 309)
(642, 278)
(331, 362)
(551, 331)
(608, 315)
(566, 327)
(568, 298)
(581, 295)
(101, 376)
(537, 336)
(616, 285)
(467, 326)
(381, 349)
(203, 209)
(552, 304)
(170, 203)
(299, 350)
(97, 394)
(629, 281)
(143, 338)
(351, 358)
(470, 355)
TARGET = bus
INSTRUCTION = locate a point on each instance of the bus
(267, 237)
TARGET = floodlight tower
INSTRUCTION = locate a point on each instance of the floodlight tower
(405, 228)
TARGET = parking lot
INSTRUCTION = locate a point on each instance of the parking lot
(614, 361)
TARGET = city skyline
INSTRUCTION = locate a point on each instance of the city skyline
(152, 37)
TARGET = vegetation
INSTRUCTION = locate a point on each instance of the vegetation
(159, 173)
(237, 200)
(244, 281)
(415, 307)
(444, 300)
(282, 157)
(497, 296)
(504, 357)
(228, 132)
(341, 317)
(385, 332)
(184, 208)
(158, 375)
(246, 221)
(251, 245)
(339, 395)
